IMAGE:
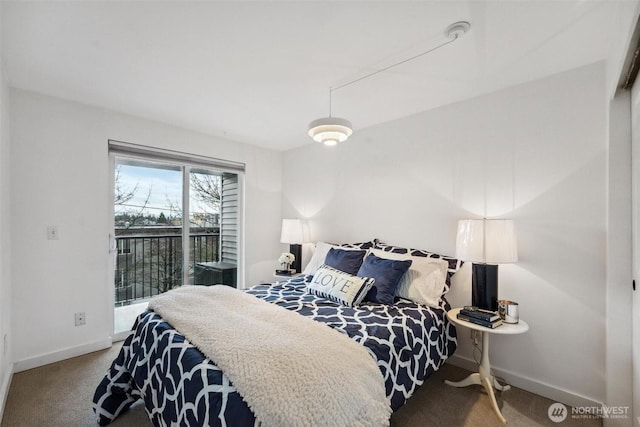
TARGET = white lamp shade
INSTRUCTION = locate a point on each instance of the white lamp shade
(330, 130)
(491, 241)
(292, 232)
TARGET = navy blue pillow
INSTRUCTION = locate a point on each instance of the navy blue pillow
(387, 274)
(344, 260)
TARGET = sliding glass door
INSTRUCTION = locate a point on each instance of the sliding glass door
(174, 224)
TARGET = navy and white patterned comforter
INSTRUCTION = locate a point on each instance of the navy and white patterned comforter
(181, 386)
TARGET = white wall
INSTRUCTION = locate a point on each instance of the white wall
(60, 176)
(5, 241)
(535, 153)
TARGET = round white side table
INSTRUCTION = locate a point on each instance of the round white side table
(483, 376)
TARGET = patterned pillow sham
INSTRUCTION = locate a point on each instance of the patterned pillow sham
(424, 282)
(454, 264)
(339, 286)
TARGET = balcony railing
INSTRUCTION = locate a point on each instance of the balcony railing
(149, 264)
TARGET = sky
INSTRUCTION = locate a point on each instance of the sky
(163, 187)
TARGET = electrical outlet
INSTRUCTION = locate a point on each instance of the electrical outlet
(80, 319)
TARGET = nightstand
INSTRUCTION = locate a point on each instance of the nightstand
(483, 376)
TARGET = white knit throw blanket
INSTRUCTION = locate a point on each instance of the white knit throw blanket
(291, 370)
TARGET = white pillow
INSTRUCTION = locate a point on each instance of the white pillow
(425, 280)
(339, 286)
(320, 253)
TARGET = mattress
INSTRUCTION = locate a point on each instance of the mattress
(180, 385)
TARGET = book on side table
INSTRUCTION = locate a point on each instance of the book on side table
(486, 318)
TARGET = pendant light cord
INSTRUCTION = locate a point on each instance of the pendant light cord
(404, 61)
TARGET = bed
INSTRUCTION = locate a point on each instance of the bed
(179, 385)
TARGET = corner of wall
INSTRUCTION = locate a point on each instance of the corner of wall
(4, 389)
(6, 362)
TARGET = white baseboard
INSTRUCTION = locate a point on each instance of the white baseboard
(4, 391)
(529, 384)
(65, 353)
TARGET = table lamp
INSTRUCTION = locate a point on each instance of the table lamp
(486, 243)
(292, 233)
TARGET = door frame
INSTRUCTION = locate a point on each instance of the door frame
(186, 162)
(634, 106)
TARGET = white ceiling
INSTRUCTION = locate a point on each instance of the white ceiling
(259, 72)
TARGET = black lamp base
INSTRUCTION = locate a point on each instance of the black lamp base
(484, 286)
(296, 250)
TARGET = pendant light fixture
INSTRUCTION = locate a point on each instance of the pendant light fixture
(332, 130)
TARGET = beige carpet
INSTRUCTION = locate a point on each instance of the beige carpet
(59, 395)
